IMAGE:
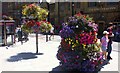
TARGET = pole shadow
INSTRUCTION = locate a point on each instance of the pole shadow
(23, 56)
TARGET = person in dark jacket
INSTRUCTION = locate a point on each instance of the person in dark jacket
(110, 37)
(25, 34)
(20, 36)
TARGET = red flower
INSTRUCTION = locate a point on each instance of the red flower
(39, 23)
(82, 34)
(84, 16)
(85, 43)
(44, 21)
(30, 23)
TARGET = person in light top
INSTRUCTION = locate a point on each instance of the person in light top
(51, 33)
(104, 43)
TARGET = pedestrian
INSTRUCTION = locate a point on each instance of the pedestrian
(19, 34)
(109, 47)
(104, 43)
(51, 33)
(25, 35)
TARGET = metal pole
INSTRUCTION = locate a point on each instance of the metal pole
(5, 39)
(37, 37)
(58, 14)
(72, 8)
(48, 21)
(37, 42)
(46, 36)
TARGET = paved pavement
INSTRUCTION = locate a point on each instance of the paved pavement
(113, 66)
(22, 57)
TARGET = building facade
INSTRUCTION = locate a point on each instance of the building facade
(14, 10)
(102, 12)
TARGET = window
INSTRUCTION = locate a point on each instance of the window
(92, 4)
(112, 3)
(62, 6)
(78, 4)
(52, 7)
(68, 5)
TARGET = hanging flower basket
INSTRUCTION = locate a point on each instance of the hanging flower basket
(34, 11)
(35, 16)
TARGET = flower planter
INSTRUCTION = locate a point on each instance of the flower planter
(78, 50)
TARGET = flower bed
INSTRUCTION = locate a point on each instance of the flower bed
(78, 49)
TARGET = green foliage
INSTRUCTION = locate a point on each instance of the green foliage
(26, 29)
(45, 26)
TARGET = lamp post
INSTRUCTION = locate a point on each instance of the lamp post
(48, 19)
(72, 8)
(39, 2)
(5, 39)
(101, 18)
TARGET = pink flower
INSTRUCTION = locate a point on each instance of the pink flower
(31, 5)
(78, 14)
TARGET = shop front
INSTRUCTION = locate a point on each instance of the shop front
(7, 32)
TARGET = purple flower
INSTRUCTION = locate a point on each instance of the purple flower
(93, 25)
(66, 32)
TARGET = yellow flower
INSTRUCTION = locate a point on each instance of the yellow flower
(24, 6)
(83, 45)
(69, 42)
(77, 41)
(72, 42)
(73, 46)
(65, 40)
(23, 13)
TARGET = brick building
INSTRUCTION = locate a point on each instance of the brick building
(102, 12)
